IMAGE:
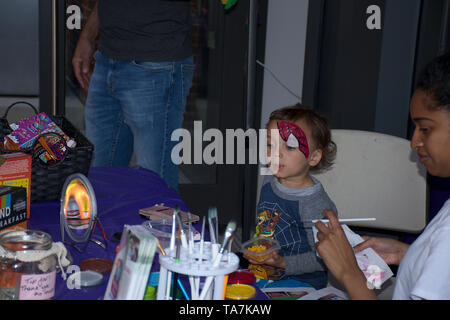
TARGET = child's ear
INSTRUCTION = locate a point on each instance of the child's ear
(315, 157)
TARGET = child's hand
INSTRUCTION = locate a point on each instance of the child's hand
(275, 261)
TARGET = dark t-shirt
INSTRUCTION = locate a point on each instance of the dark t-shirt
(145, 30)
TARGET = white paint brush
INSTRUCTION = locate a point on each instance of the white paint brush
(212, 215)
(231, 227)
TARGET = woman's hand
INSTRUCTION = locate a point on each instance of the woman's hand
(390, 250)
(335, 250)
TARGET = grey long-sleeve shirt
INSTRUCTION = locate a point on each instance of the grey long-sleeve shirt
(286, 213)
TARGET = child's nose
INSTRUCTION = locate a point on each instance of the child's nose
(277, 153)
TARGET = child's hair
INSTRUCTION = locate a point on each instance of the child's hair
(435, 81)
(320, 131)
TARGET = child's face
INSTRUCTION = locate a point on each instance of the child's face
(431, 137)
(289, 164)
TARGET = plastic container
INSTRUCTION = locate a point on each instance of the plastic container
(260, 249)
(162, 230)
(241, 277)
(240, 292)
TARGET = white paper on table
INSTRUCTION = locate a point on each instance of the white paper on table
(371, 264)
(327, 293)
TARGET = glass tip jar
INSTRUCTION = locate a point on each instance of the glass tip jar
(27, 265)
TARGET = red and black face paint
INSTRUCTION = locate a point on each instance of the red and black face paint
(294, 136)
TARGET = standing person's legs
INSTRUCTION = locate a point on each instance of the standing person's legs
(105, 127)
(151, 93)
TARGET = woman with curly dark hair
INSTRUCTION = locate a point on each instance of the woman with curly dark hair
(424, 271)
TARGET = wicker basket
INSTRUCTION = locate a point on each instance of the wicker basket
(47, 181)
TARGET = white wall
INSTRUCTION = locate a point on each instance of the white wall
(284, 56)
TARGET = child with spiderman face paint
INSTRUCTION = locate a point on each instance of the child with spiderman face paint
(298, 141)
(302, 143)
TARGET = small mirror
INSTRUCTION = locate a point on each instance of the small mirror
(78, 212)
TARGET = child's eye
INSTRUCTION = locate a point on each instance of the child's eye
(292, 148)
(424, 130)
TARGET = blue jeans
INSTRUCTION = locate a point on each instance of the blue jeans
(134, 105)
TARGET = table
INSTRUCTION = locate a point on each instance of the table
(120, 193)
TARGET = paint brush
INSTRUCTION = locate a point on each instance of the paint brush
(175, 275)
(195, 293)
(231, 227)
(183, 240)
(212, 215)
(169, 281)
(191, 234)
(171, 248)
(202, 239)
(186, 296)
(174, 232)
(230, 243)
(346, 220)
(216, 220)
(180, 225)
(161, 248)
(225, 283)
(177, 256)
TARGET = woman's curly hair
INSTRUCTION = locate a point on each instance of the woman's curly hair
(435, 81)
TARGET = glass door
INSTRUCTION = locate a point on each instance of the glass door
(217, 98)
(199, 109)
(75, 96)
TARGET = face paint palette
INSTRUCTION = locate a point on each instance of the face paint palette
(240, 292)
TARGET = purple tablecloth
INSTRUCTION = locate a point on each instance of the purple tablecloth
(120, 193)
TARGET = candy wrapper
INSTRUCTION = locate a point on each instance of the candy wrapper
(26, 131)
(371, 264)
(51, 149)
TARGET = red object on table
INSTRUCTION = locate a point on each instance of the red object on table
(241, 277)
